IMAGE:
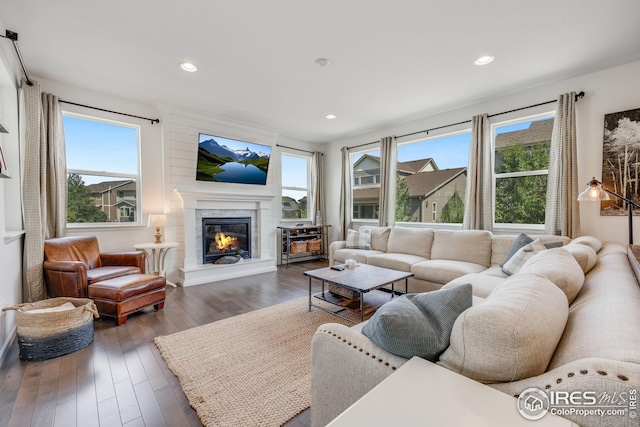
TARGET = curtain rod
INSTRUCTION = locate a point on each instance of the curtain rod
(293, 148)
(111, 111)
(578, 96)
(13, 36)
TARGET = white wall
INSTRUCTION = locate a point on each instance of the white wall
(10, 208)
(608, 91)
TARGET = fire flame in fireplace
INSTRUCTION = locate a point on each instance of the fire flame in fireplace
(223, 241)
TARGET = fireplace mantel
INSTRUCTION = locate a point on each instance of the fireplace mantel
(193, 193)
(263, 258)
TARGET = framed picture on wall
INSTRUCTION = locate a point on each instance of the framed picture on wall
(621, 160)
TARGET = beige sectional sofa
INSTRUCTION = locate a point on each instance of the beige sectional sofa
(584, 338)
(435, 257)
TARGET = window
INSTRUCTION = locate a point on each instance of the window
(366, 184)
(521, 169)
(103, 178)
(295, 187)
(432, 179)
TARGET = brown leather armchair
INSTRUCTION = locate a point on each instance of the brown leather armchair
(116, 282)
(73, 263)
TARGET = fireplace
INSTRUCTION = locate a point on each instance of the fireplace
(225, 236)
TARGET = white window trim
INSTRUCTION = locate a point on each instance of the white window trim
(137, 177)
(295, 188)
(502, 228)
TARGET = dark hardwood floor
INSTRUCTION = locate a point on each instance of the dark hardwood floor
(120, 379)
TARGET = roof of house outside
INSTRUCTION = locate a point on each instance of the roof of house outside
(416, 166)
(420, 184)
(537, 132)
(425, 183)
(102, 187)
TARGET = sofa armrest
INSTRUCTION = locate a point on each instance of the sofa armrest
(345, 365)
(65, 278)
(339, 244)
(610, 381)
(136, 259)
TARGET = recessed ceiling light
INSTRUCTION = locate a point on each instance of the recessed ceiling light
(322, 62)
(484, 60)
(331, 116)
(188, 66)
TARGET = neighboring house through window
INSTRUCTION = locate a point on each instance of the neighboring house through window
(295, 186)
(103, 178)
(521, 169)
(366, 184)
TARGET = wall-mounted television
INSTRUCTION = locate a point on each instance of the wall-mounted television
(229, 160)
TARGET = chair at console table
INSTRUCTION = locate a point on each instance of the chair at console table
(157, 253)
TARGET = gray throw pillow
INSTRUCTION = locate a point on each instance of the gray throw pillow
(418, 324)
(521, 241)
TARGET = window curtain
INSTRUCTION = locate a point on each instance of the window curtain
(317, 186)
(388, 167)
(562, 214)
(44, 187)
(478, 212)
(345, 195)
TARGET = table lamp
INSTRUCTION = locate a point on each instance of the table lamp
(157, 221)
(595, 191)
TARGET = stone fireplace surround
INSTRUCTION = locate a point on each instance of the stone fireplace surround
(198, 204)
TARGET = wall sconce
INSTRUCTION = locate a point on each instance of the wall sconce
(157, 221)
(596, 192)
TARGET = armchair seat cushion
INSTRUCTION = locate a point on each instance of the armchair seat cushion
(104, 273)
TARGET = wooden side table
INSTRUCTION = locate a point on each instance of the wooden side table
(633, 253)
(156, 255)
(422, 393)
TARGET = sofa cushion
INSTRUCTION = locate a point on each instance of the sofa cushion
(512, 334)
(483, 284)
(414, 241)
(418, 324)
(583, 254)
(472, 246)
(515, 263)
(590, 241)
(560, 267)
(379, 237)
(394, 261)
(340, 255)
(358, 239)
(443, 270)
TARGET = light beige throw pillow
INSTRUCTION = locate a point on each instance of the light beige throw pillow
(510, 336)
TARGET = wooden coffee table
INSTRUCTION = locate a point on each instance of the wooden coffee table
(365, 279)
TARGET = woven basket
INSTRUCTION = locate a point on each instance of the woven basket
(313, 245)
(298, 247)
(46, 335)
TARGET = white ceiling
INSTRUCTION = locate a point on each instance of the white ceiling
(390, 60)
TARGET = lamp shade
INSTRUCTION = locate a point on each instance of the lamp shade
(157, 220)
(594, 192)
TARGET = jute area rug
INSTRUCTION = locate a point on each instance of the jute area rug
(248, 370)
